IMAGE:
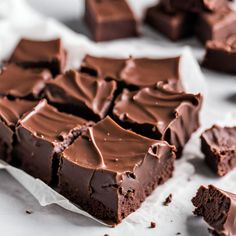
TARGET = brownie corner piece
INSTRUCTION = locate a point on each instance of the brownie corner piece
(81, 94)
(218, 145)
(40, 54)
(102, 170)
(217, 207)
(110, 19)
(10, 112)
(42, 135)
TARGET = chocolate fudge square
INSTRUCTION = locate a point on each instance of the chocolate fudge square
(40, 54)
(103, 67)
(109, 171)
(221, 55)
(134, 73)
(219, 147)
(110, 19)
(19, 82)
(41, 135)
(10, 112)
(159, 114)
(216, 26)
(194, 6)
(218, 208)
(81, 94)
(174, 25)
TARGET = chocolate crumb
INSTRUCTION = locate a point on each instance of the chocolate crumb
(178, 233)
(168, 200)
(28, 212)
(152, 225)
(106, 234)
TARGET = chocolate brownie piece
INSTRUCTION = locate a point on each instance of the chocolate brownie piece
(18, 82)
(219, 146)
(10, 112)
(41, 54)
(221, 55)
(110, 19)
(134, 73)
(218, 208)
(145, 72)
(81, 94)
(105, 170)
(194, 5)
(174, 25)
(160, 114)
(216, 26)
(41, 135)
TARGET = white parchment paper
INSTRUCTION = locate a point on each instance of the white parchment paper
(22, 21)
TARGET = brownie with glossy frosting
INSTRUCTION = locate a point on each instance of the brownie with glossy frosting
(221, 55)
(10, 112)
(81, 94)
(109, 171)
(40, 54)
(219, 147)
(18, 82)
(110, 19)
(134, 73)
(158, 113)
(41, 135)
(218, 209)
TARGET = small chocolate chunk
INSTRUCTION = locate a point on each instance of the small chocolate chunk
(18, 82)
(89, 176)
(10, 112)
(219, 146)
(41, 136)
(159, 114)
(29, 212)
(81, 95)
(110, 19)
(218, 208)
(153, 225)
(175, 25)
(221, 55)
(216, 26)
(40, 54)
(168, 200)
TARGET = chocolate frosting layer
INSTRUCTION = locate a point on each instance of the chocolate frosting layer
(104, 67)
(91, 96)
(12, 110)
(18, 82)
(108, 146)
(218, 208)
(144, 72)
(48, 123)
(159, 113)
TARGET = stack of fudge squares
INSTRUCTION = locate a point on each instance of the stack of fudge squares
(104, 135)
(213, 22)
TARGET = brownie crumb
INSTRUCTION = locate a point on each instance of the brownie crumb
(168, 200)
(106, 234)
(153, 225)
(28, 212)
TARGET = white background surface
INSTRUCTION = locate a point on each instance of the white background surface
(52, 220)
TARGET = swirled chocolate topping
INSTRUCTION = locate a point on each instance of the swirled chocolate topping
(81, 94)
(159, 113)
